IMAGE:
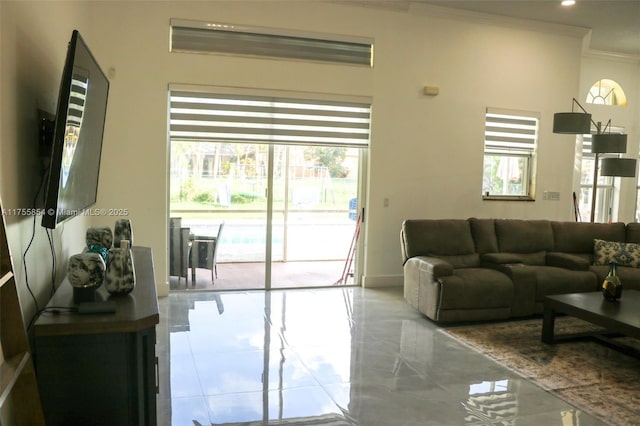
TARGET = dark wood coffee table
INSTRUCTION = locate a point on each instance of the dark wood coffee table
(620, 318)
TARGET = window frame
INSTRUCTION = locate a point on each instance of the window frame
(604, 196)
(606, 92)
(606, 185)
(515, 139)
(636, 214)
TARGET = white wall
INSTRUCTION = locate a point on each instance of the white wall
(33, 48)
(426, 152)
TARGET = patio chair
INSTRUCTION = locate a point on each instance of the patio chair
(178, 248)
(204, 250)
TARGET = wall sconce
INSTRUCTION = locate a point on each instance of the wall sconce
(579, 123)
(431, 90)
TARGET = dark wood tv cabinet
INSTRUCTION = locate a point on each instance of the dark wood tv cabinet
(100, 369)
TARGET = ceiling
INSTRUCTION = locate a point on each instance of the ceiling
(615, 24)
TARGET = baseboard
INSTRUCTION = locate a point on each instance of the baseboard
(162, 289)
(373, 281)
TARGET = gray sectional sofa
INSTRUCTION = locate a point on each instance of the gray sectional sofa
(487, 269)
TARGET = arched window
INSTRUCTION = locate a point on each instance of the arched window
(606, 92)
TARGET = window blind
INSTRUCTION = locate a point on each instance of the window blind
(202, 37)
(586, 146)
(510, 133)
(197, 116)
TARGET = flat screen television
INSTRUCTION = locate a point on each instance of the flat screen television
(76, 147)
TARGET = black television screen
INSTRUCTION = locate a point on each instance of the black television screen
(72, 182)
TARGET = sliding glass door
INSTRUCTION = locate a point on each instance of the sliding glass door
(313, 226)
(298, 234)
(283, 175)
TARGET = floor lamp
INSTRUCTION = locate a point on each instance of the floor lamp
(579, 123)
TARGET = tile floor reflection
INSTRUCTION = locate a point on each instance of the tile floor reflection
(335, 356)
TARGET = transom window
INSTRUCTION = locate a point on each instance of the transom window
(233, 39)
(606, 92)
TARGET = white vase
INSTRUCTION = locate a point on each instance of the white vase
(99, 236)
(122, 231)
(120, 276)
(85, 272)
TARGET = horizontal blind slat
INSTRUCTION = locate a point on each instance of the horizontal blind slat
(270, 131)
(186, 125)
(177, 95)
(279, 139)
(206, 104)
(254, 114)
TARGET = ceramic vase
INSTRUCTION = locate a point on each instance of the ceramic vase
(611, 286)
(120, 275)
(99, 236)
(122, 231)
(86, 272)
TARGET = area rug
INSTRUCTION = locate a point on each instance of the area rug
(597, 379)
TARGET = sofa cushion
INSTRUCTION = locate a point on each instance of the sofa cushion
(462, 261)
(476, 288)
(484, 235)
(552, 280)
(577, 237)
(525, 236)
(632, 234)
(538, 258)
(625, 254)
(438, 238)
(567, 261)
(501, 258)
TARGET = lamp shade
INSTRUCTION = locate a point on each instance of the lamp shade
(622, 167)
(573, 123)
(608, 143)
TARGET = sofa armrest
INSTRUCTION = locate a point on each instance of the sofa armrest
(435, 266)
(501, 258)
(567, 261)
(422, 282)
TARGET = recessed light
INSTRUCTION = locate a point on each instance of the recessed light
(568, 2)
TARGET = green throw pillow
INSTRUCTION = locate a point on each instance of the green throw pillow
(626, 254)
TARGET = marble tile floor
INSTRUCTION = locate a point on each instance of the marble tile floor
(331, 356)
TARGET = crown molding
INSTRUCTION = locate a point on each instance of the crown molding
(588, 52)
(497, 20)
(611, 56)
(391, 5)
